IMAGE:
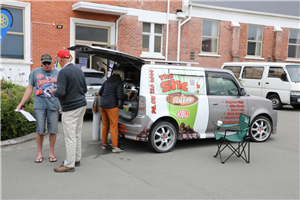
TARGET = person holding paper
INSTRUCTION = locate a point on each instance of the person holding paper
(46, 106)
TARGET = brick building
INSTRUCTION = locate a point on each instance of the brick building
(198, 33)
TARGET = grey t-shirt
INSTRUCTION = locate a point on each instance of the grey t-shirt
(41, 81)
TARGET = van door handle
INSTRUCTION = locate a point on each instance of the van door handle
(215, 103)
(267, 82)
(258, 83)
(91, 88)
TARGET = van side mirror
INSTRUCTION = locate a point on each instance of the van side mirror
(242, 91)
(284, 77)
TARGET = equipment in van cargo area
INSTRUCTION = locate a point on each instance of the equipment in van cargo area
(279, 82)
(171, 102)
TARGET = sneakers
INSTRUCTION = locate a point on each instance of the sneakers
(63, 168)
(77, 163)
(117, 150)
(108, 146)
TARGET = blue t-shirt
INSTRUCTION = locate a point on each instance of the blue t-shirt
(41, 81)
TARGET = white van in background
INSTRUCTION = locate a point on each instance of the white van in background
(278, 82)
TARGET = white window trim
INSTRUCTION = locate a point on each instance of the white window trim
(27, 35)
(262, 38)
(254, 58)
(292, 60)
(212, 37)
(74, 21)
(209, 55)
(152, 34)
(297, 45)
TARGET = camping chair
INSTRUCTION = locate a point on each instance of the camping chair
(239, 136)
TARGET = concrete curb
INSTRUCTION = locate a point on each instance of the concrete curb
(18, 140)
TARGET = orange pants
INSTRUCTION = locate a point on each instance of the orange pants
(110, 118)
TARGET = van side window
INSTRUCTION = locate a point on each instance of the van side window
(275, 72)
(221, 84)
(235, 69)
(253, 72)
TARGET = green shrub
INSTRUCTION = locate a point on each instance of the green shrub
(14, 124)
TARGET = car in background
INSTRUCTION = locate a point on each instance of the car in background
(94, 80)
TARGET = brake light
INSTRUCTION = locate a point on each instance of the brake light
(142, 105)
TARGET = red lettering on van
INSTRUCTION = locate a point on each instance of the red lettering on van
(182, 114)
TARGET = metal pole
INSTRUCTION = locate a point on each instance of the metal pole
(96, 118)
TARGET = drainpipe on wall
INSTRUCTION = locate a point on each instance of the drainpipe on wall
(167, 38)
(117, 28)
(180, 16)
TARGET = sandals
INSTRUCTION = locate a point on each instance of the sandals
(39, 160)
(52, 159)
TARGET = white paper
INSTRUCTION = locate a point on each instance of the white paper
(27, 115)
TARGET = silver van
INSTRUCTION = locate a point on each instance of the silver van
(170, 103)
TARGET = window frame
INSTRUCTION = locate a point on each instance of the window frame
(253, 69)
(222, 75)
(91, 41)
(256, 41)
(211, 37)
(18, 33)
(152, 35)
(293, 44)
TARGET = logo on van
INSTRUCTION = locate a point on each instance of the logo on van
(182, 114)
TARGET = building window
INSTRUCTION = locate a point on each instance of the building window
(12, 45)
(152, 37)
(254, 40)
(92, 34)
(210, 36)
(294, 44)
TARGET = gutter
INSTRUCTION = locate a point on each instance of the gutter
(179, 31)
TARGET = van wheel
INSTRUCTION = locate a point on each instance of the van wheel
(276, 102)
(261, 129)
(163, 137)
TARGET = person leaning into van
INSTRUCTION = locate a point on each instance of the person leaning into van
(111, 91)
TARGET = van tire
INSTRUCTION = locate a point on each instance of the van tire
(260, 129)
(162, 137)
(276, 102)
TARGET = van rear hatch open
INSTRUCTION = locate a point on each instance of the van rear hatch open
(128, 109)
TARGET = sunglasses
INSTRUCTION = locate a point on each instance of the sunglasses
(46, 63)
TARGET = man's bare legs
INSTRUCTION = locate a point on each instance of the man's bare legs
(39, 142)
(52, 140)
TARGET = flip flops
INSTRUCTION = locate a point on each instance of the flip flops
(52, 159)
(39, 160)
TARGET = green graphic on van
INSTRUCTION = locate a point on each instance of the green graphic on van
(181, 88)
(183, 108)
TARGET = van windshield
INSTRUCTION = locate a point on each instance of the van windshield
(294, 72)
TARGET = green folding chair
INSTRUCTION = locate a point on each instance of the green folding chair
(232, 137)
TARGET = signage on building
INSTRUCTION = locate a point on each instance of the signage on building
(6, 22)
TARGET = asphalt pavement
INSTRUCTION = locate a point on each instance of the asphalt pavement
(189, 171)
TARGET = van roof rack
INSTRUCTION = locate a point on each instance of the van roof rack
(166, 62)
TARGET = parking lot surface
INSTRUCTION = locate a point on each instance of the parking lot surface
(189, 171)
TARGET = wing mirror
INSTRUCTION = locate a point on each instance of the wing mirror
(284, 77)
(242, 91)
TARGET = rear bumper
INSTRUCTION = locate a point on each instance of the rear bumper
(135, 128)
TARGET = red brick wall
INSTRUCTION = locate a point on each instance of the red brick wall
(49, 39)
